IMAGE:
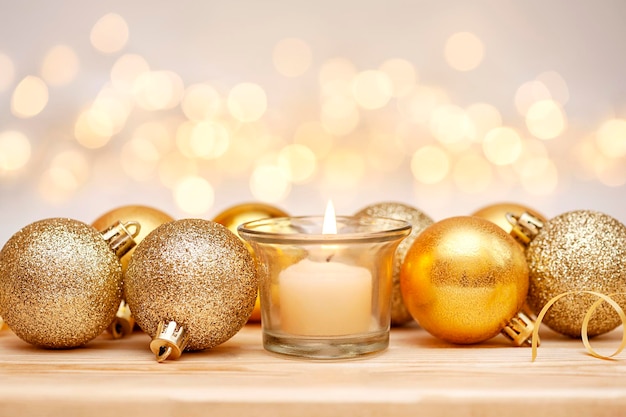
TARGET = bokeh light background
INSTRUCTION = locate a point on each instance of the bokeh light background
(194, 106)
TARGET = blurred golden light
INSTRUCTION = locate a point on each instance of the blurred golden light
(545, 119)
(450, 124)
(183, 139)
(419, 104)
(292, 57)
(484, 117)
(29, 97)
(430, 164)
(472, 173)
(269, 183)
(314, 136)
(344, 168)
(611, 172)
(109, 34)
(75, 164)
(529, 93)
(201, 102)
(15, 150)
(158, 90)
(139, 159)
(126, 70)
(93, 128)
(298, 162)
(68, 171)
(60, 65)
(556, 85)
(464, 51)
(372, 89)
(7, 71)
(611, 138)
(194, 195)
(383, 154)
(115, 106)
(336, 69)
(209, 140)
(502, 145)
(157, 133)
(173, 167)
(339, 115)
(402, 75)
(539, 176)
(247, 102)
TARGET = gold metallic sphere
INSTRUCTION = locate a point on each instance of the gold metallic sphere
(399, 313)
(496, 213)
(194, 272)
(463, 279)
(148, 218)
(243, 213)
(578, 250)
(60, 283)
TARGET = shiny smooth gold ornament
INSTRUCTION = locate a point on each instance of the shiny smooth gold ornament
(577, 250)
(61, 281)
(399, 211)
(497, 213)
(465, 280)
(191, 285)
(243, 213)
(149, 218)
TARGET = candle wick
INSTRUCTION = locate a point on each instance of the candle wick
(330, 257)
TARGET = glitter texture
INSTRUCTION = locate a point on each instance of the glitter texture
(463, 279)
(420, 221)
(60, 283)
(578, 250)
(194, 272)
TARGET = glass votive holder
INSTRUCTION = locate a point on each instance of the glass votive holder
(325, 296)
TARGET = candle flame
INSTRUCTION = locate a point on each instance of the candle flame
(330, 221)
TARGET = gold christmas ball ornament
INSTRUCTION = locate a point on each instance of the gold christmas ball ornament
(420, 221)
(150, 218)
(577, 250)
(243, 213)
(61, 281)
(497, 213)
(464, 280)
(191, 285)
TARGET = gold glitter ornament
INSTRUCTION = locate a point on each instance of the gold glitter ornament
(420, 221)
(191, 285)
(243, 213)
(497, 213)
(465, 280)
(577, 250)
(149, 218)
(61, 282)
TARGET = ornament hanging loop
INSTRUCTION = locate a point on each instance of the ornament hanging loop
(170, 341)
(519, 330)
(123, 323)
(525, 227)
(120, 236)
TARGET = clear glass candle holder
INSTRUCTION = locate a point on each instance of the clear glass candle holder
(325, 296)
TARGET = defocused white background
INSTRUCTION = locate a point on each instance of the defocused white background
(193, 106)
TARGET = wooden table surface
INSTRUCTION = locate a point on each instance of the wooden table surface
(417, 376)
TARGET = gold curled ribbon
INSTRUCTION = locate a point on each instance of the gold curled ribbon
(587, 318)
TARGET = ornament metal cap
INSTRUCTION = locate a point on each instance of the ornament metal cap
(120, 238)
(525, 227)
(123, 322)
(169, 342)
(519, 330)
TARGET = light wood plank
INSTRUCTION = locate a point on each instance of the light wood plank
(417, 375)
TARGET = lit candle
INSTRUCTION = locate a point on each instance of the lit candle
(325, 298)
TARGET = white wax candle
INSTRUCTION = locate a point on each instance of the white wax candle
(325, 299)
